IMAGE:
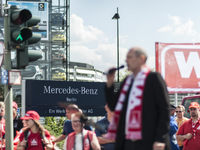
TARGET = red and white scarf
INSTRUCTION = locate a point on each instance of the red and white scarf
(133, 124)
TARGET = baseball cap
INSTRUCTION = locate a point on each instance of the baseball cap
(172, 107)
(194, 105)
(31, 114)
(14, 105)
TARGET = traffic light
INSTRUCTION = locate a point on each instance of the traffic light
(23, 57)
(21, 36)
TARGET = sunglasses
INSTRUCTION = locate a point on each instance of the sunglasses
(178, 111)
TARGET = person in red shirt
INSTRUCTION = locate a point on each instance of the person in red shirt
(189, 131)
(38, 138)
(2, 125)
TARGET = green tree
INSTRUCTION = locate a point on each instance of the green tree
(55, 127)
(123, 74)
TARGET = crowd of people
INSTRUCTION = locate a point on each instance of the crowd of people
(30, 134)
(139, 117)
(184, 132)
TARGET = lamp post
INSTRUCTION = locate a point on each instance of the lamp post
(116, 16)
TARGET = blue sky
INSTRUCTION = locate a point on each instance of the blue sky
(142, 23)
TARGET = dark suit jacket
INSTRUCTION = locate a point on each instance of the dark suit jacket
(155, 112)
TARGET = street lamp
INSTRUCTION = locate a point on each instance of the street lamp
(116, 16)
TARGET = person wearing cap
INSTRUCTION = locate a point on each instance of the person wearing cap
(2, 120)
(189, 131)
(180, 111)
(17, 122)
(18, 133)
(2, 123)
(173, 129)
(37, 136)
(67, 128)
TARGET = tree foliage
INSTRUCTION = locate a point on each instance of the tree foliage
(55, 127)
(123, 74)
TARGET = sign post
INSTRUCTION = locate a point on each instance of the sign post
(8, 102)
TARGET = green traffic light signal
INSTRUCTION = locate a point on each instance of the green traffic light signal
(20, 20)
(19, 37)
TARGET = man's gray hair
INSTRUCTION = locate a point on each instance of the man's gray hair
(72, 107)
(140, 51)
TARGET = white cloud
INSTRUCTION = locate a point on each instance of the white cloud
(102, 57)
(90, 45)
(84, 34)
(179, 28)
(123, 38)
(165, 29)
(186, 28)
(82, 53)
(151, 62)
(175, 19)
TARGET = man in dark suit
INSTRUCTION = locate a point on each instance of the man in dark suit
(142, 110)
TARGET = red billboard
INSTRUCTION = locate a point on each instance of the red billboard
(179, 65)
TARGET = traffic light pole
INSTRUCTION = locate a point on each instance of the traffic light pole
(17, 37)
(8, 101)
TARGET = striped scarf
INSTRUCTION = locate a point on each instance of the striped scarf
(133, 124)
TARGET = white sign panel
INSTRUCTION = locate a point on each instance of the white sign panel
(37, 9)
(15, 77)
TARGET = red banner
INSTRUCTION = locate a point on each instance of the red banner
(179, 65)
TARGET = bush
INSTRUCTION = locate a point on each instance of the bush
(55, 127)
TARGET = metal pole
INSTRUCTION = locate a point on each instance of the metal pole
(66, 63)
(67, 40)
(176, 99)
(8, 103)
(117, 46)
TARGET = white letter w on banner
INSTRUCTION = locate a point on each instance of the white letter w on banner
(185, 67)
